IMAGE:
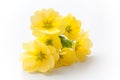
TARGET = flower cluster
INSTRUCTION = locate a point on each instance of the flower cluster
(60, 41)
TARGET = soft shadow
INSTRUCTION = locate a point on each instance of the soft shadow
(77, 69)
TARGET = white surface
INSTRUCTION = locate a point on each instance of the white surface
(100, 17)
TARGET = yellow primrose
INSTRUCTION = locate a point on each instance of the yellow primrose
(51, 40)
(67, 57)
(37, 57)
(47, 21)
(72, 27)
(82, 46)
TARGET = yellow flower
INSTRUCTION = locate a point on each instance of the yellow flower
(47, 21)
(51, 40)
(37, 57)
(72, 27)
(67, 57)
(82, 46)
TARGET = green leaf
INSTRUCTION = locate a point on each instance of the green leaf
(65, 42)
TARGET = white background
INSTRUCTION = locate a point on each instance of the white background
(100, 17)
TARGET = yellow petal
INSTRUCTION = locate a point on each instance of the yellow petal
(81, 57)
(26, 55)
(40, 47)
(30, 65)
(54, 53)
(38, 33)
(28, 46)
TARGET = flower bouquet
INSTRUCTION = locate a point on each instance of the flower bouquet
(60, 41)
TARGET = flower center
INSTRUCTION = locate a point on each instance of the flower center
(68, 29)
(47, 25)
(77, 45)
(49, 42)
(61, 56)
(41, 56)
